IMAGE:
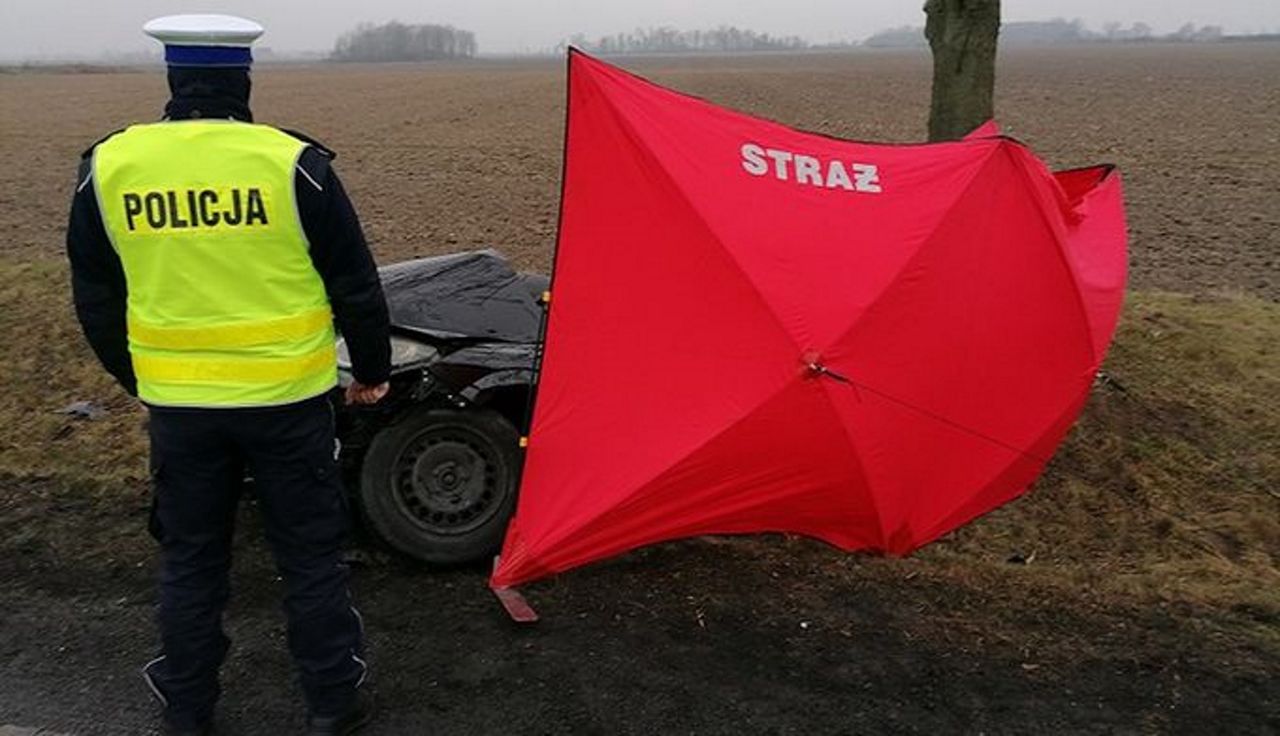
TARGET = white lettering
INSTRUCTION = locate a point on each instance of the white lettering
(753, 159)
(867, 178)
(837, 176)
(780, 159)
(808, 170)
(811, 170)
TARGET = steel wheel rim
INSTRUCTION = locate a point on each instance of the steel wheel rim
(446, 480)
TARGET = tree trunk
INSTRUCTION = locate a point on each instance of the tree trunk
(962, 35)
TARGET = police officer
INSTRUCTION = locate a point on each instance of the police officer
(211, 258)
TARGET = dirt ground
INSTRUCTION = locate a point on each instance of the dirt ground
(773, 635)
(442, 158)
(1135, 590)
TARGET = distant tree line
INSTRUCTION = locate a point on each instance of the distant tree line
(663, 40)
(1057, 31)
(397, 41)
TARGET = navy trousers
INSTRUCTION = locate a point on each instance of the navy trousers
(199, 458)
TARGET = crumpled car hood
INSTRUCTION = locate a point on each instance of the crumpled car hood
(475, 295)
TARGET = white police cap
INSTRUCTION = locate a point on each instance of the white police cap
(205, 40)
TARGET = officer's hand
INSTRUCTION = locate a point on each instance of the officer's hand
(358, 393)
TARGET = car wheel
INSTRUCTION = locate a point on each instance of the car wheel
(440, 485)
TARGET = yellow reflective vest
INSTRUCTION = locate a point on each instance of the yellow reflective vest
(225, 308)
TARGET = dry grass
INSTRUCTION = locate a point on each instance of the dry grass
(1165, 493)
(48, 366)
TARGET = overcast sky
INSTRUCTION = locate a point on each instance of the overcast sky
(74, 28)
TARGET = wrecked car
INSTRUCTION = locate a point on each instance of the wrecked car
(435, 466)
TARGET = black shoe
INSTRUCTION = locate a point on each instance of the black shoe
(360, 713)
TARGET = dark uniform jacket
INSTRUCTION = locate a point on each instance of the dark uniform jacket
(338, 250)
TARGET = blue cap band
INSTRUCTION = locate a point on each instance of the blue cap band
(207, 56)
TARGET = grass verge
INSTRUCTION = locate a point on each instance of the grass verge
(1166, 494)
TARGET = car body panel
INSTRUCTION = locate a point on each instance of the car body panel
(464, 296)
(465, 330)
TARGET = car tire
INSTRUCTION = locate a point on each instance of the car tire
(440, 485)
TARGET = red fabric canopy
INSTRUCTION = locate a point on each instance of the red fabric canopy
(755, 328)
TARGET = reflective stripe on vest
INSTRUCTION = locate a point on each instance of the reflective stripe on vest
(191, 369)
(224, 305)
(239, 334)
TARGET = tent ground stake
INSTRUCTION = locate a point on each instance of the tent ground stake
(516, 606)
